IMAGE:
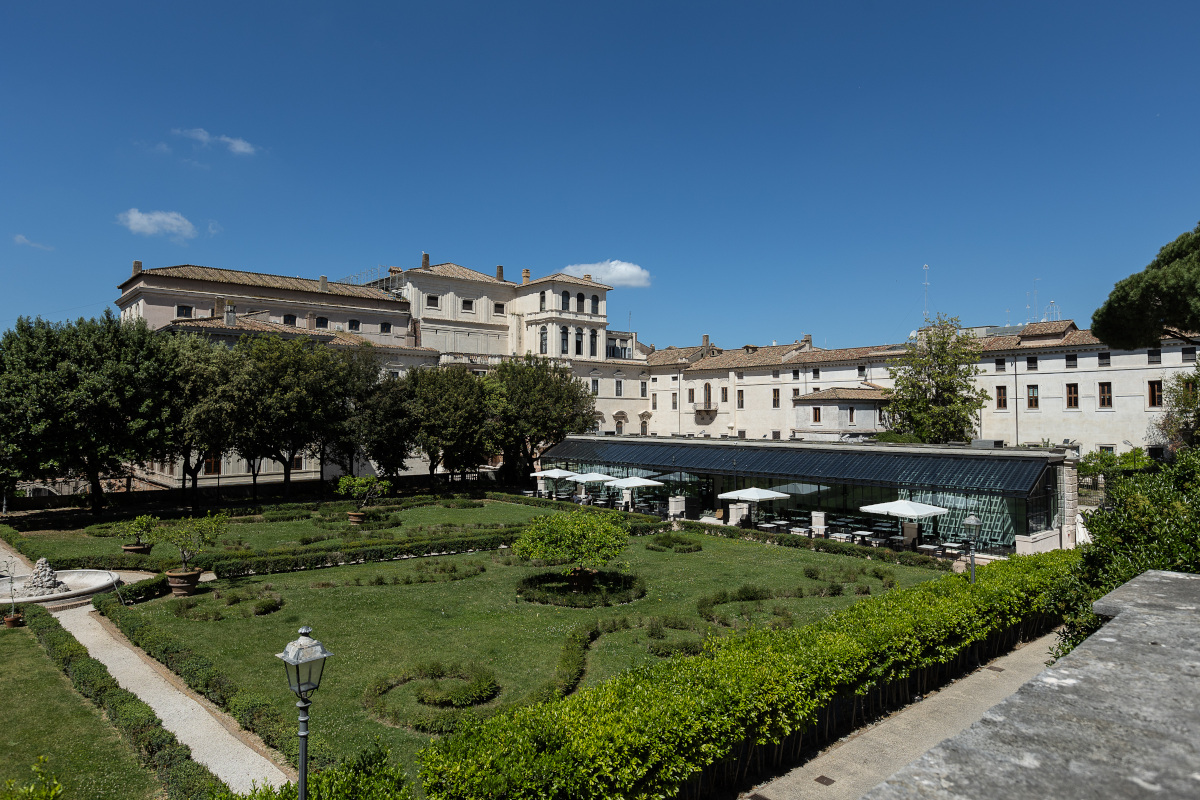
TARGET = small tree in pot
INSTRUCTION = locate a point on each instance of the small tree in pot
(192, 535)
(140, 530)
(363, 491)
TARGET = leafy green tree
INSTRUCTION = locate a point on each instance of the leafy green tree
(363, 490)
(83, 398)
(585, 540)
(539, 405)
(1179, 425)
(455, 412)
(935, 397)
(356, 373)
(387, 425)
(1161, 300)
(1150, 521)
(191, 535)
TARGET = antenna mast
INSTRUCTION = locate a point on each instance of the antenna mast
(926, 269)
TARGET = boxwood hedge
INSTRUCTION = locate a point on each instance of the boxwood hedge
(686, 726)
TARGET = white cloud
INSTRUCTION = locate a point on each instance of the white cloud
(214, 227)
(19, 239)
(236, 145)
(612, 272)
(155, 223)
(162, 147)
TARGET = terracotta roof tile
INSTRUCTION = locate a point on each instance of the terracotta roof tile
(451, 270)
(233, 276)
(672, 355)
(1048, 328)
(575, 279)
(840, 394)
(249, 325)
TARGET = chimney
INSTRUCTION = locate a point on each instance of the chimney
(395, 271)
(311, 320)
(137, 268)
(587, 277)
(524, 277)
(219, 307)
(704, 346)
(230, 316)
(424, 260)
(499, 272)
(807, 341)
(324, 281)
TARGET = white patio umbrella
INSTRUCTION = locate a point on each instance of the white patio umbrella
(752, 495)
(632, 483)
(590, 477)
(906, 509)
(553, 474)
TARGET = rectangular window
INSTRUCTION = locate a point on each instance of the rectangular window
(741, 376)
(774, 398)
(1072, 361)
(1154, 355)
(645, 386)
(691, 395)
(1107, 448)
(1072, 395)
(724, 394)
(1000, 365)
(795, 374)
(385, 327)
(1189, 355)
(595, 387)
(741, 434)
(1104, 359)
(468, 306)
(816, 373)
(1031, 363)
(795, 392)
(298, 462)
(1001, 398)
(774, 373)
(1106, 395)
(862, 371)
(816, 413)
(212, 464)
(1031, 396)
(1155, 393)
(433, 301)
(498, 309)
(851, 415)
(775, 435)
(674, 400)
(183, 312)
(619, 387)
(654, 402)
(741, 399)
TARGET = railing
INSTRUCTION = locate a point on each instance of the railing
(701, 407)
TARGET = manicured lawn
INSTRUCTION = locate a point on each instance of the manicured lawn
(42, 715)
(379, 630)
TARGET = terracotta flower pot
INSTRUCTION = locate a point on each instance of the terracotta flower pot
(183, 583)
(13, 620)
(356, 517)
(137, 549)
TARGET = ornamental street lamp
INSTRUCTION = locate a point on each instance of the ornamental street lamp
(304, 660)
(973, 527)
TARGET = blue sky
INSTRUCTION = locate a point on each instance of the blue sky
(776, 168)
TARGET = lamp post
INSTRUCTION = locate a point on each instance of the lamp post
(973, 527)
(304, 660)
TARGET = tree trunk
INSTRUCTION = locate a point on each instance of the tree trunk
(97, 499)
(287, 476)
(254, 467)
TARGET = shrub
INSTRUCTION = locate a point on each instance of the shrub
(687, 647)
(367, 776)
(267, 605)
(606, 588)
(583, 540)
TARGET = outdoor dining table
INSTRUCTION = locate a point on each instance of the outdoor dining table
(929, 549)
(896, 541)
(841, 537)
(952, 548)
(876, 541)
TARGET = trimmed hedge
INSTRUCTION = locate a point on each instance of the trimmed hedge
(687, 726)
(566, 505)
(157, 748)
(367, 776)
(253, 712)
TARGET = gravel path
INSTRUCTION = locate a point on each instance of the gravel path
(199, 727)
(849, 769)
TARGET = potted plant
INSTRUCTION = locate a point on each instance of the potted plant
(363, 491)
(192, 536)
(139, 529)
(14, 617)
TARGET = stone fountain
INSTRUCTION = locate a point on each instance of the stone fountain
(43, 581)
(45, 585)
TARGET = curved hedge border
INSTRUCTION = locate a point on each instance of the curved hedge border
(625, 589)
(252, 711)
(685, 726)
(157, 748)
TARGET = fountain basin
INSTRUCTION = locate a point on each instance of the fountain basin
(80, 582)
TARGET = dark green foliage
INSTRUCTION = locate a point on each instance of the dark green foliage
(895, 437)
(286, 516)
(157, 747)
(672, 541)
(459, 502)
(367, 776)
(607, 588)
(267, 605)
(666, 649)
(684, 717)
(1152, 521)
(457, 426)
(1161, 300)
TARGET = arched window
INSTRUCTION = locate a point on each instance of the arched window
(708, 395)
(645, 428)
(542, 302)
(289, 319)
(620, 427)
(579, 301)
(579, 341)
(595, 304)
(566, 344)
(592, 350)
(322, 322)
(355, 325)
(566, 305)
(545, 343)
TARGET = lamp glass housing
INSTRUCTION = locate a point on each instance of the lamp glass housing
(973, 527)
(304, 661)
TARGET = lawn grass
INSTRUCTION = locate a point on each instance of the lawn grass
(379, 630)
(61, 544)
(42, 714)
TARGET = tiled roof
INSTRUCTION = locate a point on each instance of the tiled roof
(249, 325)
(233, 276)
(1072, 338)
(575, 279)
(450, 270)
(789, 354)
(673, 355)
(840, 394)
(1048, 328)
